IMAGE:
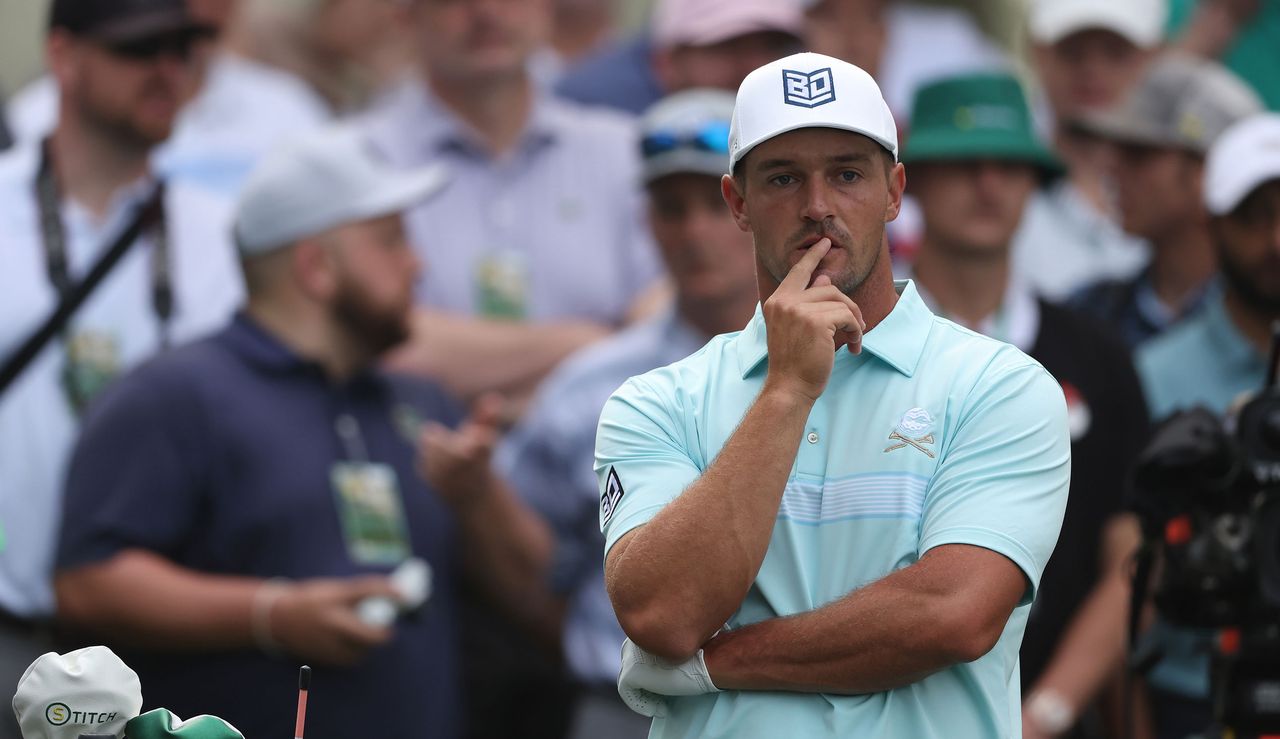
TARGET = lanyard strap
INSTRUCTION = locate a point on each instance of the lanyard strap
(54, 238)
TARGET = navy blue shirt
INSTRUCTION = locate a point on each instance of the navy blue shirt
(217, 456)
(1132, 308)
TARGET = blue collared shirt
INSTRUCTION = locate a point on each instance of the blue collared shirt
(932, 435)
(551, 230)
(1203, 361)
(547, 458)
(1135, 310)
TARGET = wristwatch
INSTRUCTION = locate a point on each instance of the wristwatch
(1050, 711)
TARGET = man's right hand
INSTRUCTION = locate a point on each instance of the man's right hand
(316, 619)
(805, 324)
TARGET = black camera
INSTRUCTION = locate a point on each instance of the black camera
(1208, 494)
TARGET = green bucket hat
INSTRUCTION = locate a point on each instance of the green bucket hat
(976, 116)
(163, 724)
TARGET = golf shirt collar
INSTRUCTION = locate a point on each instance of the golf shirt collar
(898, 340)
(427, 126)
(1235, 350)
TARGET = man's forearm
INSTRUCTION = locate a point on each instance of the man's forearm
(471, 356)
(896, 631)
(1094, 643)
(677, 579)
(509, 550)
(142, 599)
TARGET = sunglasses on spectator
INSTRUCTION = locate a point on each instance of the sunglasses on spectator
(178, 45)
(711, 137)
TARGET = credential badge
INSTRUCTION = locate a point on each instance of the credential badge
(915, 430)
(808, 89)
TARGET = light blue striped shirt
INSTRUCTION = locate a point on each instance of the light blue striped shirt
(933, 435)
(547, 459)
(554, 228)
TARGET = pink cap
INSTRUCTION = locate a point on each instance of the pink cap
(707, 22)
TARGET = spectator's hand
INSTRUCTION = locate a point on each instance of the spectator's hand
(1030, 730)
(646, 679)
(1216, 24)
(806, 323)
(316, 619)
(456, 463)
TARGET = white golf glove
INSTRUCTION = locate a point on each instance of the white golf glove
(646, 680)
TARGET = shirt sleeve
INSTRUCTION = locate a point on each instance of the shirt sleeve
(643, 461)
(136, 478)
(547, 460)
(1003, 479)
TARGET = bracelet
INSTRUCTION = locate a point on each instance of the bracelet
(1050, 712)
(264, 600)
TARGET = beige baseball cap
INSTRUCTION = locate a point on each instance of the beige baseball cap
(808, 90)
(1182, 101)
(88, 691)
(1244, 158)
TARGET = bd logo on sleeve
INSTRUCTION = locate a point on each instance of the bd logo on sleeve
(808, 89)
(610, 497)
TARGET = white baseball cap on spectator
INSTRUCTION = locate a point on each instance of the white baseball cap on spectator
(808, 90)
(88, 691)
(707, 22)
(1142, 22)
(1246, 156)
(328, 178)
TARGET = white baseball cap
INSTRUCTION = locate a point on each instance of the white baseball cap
(88, 691)
(329, 178)
(808, 91)
(1243, 158)
(1140, 21)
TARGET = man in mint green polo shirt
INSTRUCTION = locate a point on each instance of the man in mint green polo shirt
(833, 522)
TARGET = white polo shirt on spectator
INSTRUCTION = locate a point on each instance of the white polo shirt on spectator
(551, 230)
(117, 324)
(1064, 244)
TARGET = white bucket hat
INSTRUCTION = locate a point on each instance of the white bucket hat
(88, 691)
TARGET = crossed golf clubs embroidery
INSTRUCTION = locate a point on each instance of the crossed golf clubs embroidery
(905, 441)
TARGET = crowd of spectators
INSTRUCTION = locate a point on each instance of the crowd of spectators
(294, 292)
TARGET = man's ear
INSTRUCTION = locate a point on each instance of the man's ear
(59, 54)
(736, 201)
(313, 269)
(897, 186)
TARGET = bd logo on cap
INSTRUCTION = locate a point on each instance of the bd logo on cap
(808, 90)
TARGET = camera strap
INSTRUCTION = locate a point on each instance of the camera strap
(149, 216)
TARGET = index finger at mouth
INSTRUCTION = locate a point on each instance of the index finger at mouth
(798, 277)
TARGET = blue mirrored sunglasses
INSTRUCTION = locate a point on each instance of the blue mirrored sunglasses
(712, 137)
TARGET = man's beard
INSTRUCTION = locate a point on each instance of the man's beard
(1239, 280)
(120, 127)
(374, 329)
